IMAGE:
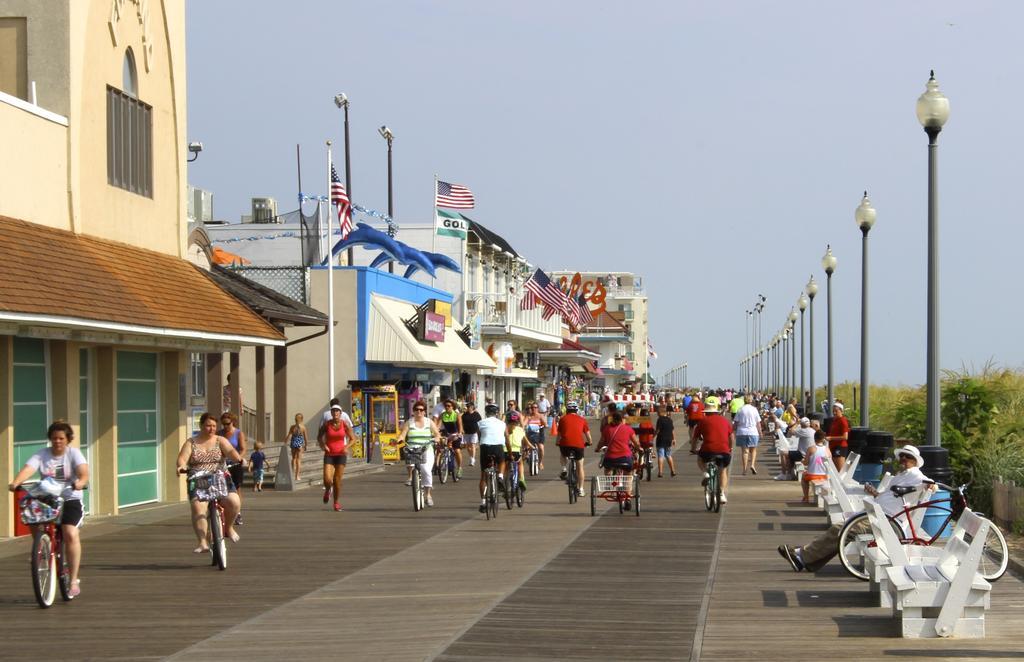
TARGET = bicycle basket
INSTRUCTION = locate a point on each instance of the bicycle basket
(208, 486)
(39, 510)
(414, 454)
(613, 483)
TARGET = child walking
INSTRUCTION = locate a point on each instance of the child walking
(256, 462)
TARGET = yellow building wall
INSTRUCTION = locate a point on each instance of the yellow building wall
(34, 172)
(157, 40)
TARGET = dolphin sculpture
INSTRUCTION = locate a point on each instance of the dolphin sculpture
(439, 260)
(391, 250)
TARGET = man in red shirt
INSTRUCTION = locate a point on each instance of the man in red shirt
(715, 436)
(694, 413)
(573, 437)
(838, 435)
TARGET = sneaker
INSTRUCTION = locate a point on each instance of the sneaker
(458, 472)
(75, 589)
(327, 493)
(562, 475)
(408, 483)
(790, 555)
(483, 507)
(337, 506)
(430, 501)
(581, 493)
(724, 499)
(238, 519)
(780, 477)
(522, 485)
(472, 461)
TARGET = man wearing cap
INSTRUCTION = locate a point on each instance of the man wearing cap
(838, 435)
(715, 436)
(746, 421)
(820, 551)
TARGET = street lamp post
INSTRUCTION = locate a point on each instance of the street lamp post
(802, 304)
(792, 351)
(865, 216)
(341, 101)
(932, 113)
(828, 263)
(747, 324)
(785, 362)
(812, 290)
(387, 135)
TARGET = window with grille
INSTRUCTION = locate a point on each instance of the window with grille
(129, 143)
(198, 371)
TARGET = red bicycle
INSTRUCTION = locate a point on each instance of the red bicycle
(41, 510)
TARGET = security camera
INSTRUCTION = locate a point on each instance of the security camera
(195, 148)
(385, 133)
(340, 100)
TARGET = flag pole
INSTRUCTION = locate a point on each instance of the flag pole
(330, 281)
(433, 235)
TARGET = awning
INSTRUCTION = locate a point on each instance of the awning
(94, 287)
(571, 353)
(388, 340)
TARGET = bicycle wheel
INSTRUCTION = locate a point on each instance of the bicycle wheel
(593, 496)
(520, 495)
(534, 463)
(709, 491)
(493, 501)
(442, 467)
(63, 571)
(44, 570)
(417, 491)
(570, 480)
(994, 556)
(855, 538)
(218, 546)
(509, 487)
(488, 496)
(716, 490)
(647, 463)
(636, 497)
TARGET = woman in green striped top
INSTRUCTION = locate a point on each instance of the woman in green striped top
(421, 432)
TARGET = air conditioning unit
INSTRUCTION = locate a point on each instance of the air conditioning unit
(264, 210)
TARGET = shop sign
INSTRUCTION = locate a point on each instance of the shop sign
(430, 327)
(474, 331)
(593, 291)
(443, 308)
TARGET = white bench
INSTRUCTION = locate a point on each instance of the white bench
(943, 596)
(843, 499)
(877, 559)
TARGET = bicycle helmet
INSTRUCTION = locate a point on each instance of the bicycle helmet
(491, 409)
(572, 406)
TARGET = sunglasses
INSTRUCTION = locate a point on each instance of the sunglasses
(419, 409)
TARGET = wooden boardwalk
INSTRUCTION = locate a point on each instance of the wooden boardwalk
(378, 581)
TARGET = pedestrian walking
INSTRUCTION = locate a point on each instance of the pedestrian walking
(298, 443)
(256, 461)
(747, 424)
(665, 441)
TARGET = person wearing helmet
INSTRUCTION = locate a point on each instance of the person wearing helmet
(515, 440)
(492, 448)
(694, 412)
(573, 435)
(715, 436)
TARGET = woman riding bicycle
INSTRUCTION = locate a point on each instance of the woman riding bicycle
(67, 465)
(515, 440)
(451, 431)
(621, 442)
(420, 434)
(209, 451)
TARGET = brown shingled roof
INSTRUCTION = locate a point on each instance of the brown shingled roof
(46, 271)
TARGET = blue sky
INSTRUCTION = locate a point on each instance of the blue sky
(714, 148)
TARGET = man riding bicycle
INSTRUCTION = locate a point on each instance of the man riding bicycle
(492, 448)
(573, 435)
(715, 437)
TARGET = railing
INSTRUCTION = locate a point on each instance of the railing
(504, 310)
(293, 282)
(249, 425)
(626, 292)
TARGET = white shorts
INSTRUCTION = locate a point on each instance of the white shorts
(470, 439)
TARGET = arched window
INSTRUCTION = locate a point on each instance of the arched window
(130, 83)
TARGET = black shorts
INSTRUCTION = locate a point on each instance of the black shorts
(841, 451)
(691, 423)
(72, 515)
(237, 472)
(513, 456)
(796, 456)
(724, 458)
(455, 442)
(336, 460)
(566, 451)
(495, 451)
(618, 462)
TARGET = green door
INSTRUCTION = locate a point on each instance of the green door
(137, 429)
(31, 401)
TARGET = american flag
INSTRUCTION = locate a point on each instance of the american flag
(546, 290)
(586, 317)
(548, 313)
(340, 197)
(573, 314)
(529, 301)
(454, 196)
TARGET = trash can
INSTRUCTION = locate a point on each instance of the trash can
(858, 439)
(20, 528)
